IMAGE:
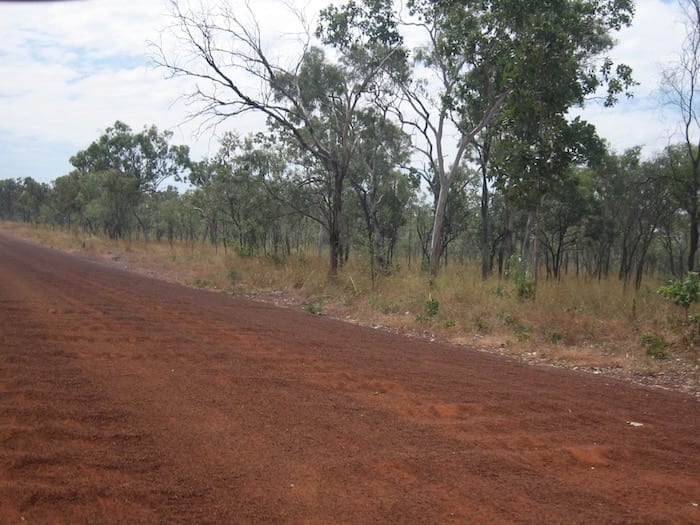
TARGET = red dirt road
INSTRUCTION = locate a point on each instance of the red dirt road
(125, 399)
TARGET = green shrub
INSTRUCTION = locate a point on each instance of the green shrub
(522, 332)
(656, 346)
(481, 325)
(683, 292)
(506, 318)
(553, 336)
(525, 290)
(384, 305)
(432, 307)
(315, 307)
(234, 276)
(525, 287)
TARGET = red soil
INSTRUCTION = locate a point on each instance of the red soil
(125, 399)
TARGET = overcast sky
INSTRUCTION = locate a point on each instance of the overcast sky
(68, 70)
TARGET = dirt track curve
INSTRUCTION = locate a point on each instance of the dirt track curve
(125, 399)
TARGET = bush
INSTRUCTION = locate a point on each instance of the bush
(683, 292)
(234, 276)
(522, 332)
(315, 307)
(481, 325)
(432, 307)
(655, 345)
(525, 288)
(554, 336)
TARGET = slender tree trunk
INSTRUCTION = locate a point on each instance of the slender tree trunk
(693, 245)
(142, 225)
(485, 227)
(334, 251)
(319, 243)
(527, 236)
(486, 258)
(536, 243)
(335, 230)
(438, 225)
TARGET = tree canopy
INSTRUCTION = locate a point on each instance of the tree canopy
(441, 132)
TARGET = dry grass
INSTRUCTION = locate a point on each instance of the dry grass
(588, 324)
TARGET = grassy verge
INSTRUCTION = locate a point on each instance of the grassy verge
(578, 323)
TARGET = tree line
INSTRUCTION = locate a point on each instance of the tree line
(458, 149)
(623, 217)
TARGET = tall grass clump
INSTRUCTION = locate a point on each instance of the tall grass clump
(573, 312)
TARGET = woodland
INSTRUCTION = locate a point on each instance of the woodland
(457, 147)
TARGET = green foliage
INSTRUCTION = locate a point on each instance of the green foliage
(430, 310)
(146, 156)
(522, 332)
(481, 325)
(506, 318)
(656, 346)
(234, 275)
(315, 307)
(682, 292)
(525, 288)
(384, 305)
(432, 306)
(554, 336)
(114, 185)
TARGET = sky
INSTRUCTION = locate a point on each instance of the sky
(69, 70)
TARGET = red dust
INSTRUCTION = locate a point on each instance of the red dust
(126, 399)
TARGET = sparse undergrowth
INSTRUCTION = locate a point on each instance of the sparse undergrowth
(578, 323)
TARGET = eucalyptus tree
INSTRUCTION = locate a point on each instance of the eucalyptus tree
(382, 187)
(566, 206)
(66, 199)
(146, 159)
(681, 83)
(33, 199)
(23, 199)
(631, 204)
(481, 60)
(207, 198)
(535, 160)
(109, 200)
(146, 156)
(313, 103)
(235, 192)
(169, 213)
(10, 190)
(677, 167)
(655, 207)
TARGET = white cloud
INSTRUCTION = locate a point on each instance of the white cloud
(70, 69)
(59, 81)
(648, 46)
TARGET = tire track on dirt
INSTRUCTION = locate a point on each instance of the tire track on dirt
(46, 435)
(228, 409)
